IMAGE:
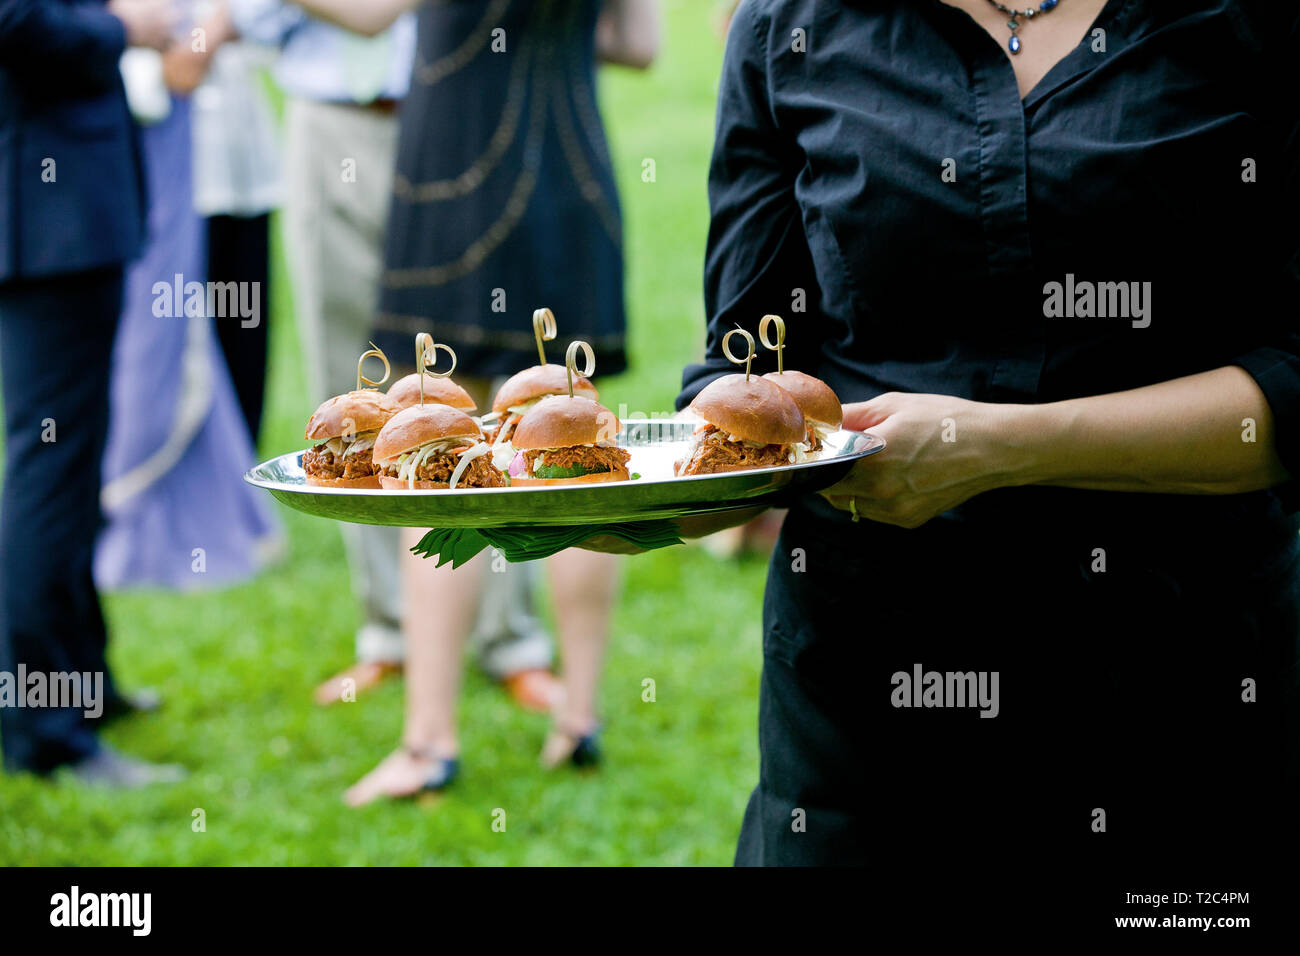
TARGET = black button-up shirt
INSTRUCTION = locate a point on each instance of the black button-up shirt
(878, 181)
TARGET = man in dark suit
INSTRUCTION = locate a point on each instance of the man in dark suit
(71, 216)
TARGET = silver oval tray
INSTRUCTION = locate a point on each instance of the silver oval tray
(654, 444)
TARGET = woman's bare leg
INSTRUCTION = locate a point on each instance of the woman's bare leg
(584, 585)
(439, 606)
(438, 609)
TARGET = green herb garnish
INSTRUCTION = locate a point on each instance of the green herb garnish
(555, 471)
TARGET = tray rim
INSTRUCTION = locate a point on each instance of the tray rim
(875, 444)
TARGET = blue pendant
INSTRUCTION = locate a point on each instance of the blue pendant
(1014, 44)
(1047, 5)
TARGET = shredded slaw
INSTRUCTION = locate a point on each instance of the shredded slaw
(480, 448)
(342, 449)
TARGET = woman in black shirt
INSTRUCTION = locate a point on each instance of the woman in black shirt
(1062, 284)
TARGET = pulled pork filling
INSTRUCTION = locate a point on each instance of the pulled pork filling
(321, 462)
(714, 451)
(576, 461)
(505, 427)
(507, 420)
(817, 433)
(479, 473)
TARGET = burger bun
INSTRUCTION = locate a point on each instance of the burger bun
(351, 413)
(815, 398)
(414, 426)
(751, 408)
(405, 392)
(533, 383)
(559, 421)
(370, 481)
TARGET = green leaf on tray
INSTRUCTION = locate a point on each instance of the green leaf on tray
(458, 545)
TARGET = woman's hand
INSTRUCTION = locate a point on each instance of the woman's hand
(184, 65)
(1206, 434)
(940, 451)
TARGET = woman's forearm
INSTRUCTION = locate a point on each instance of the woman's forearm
(367, 17)
(1210, 433)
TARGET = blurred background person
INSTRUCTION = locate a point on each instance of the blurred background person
(72, 214)
(341, 116)
(176, 433)
(236, 186)
(342, 95)
(503, 200)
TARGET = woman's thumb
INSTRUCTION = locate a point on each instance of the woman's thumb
(859, 416)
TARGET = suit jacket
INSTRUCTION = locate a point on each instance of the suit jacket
(71, 183)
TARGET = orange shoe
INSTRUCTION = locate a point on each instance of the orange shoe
(359, 678)
(536, 689)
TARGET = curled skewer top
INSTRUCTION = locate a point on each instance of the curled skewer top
(748, 359)
(426, 357)
(571, 361)
(779, 345)
(376, 352)
(543, 331)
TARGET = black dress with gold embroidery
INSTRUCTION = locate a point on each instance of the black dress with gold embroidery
(504, 196)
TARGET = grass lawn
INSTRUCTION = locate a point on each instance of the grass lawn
(237, 666)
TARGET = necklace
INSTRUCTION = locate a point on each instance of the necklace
(1047, 6)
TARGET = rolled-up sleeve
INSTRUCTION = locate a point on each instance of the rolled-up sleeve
(1275, 364)
(757, 261)
(1276, 370)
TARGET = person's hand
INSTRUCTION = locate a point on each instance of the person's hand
(940, 451)
(184, 66)
(149, 23)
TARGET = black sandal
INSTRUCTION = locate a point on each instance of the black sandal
(586, 747)
(445, 769)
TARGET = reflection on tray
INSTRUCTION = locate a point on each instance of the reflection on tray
(654, 431)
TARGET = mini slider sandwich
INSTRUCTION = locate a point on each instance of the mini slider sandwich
(820, 405)
(748, 423)
(567, 440)
(818, 402)
(345, 428)
(431, 442)
(523, 390)
(434, 446)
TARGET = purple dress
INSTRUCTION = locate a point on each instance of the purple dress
(177, 512)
